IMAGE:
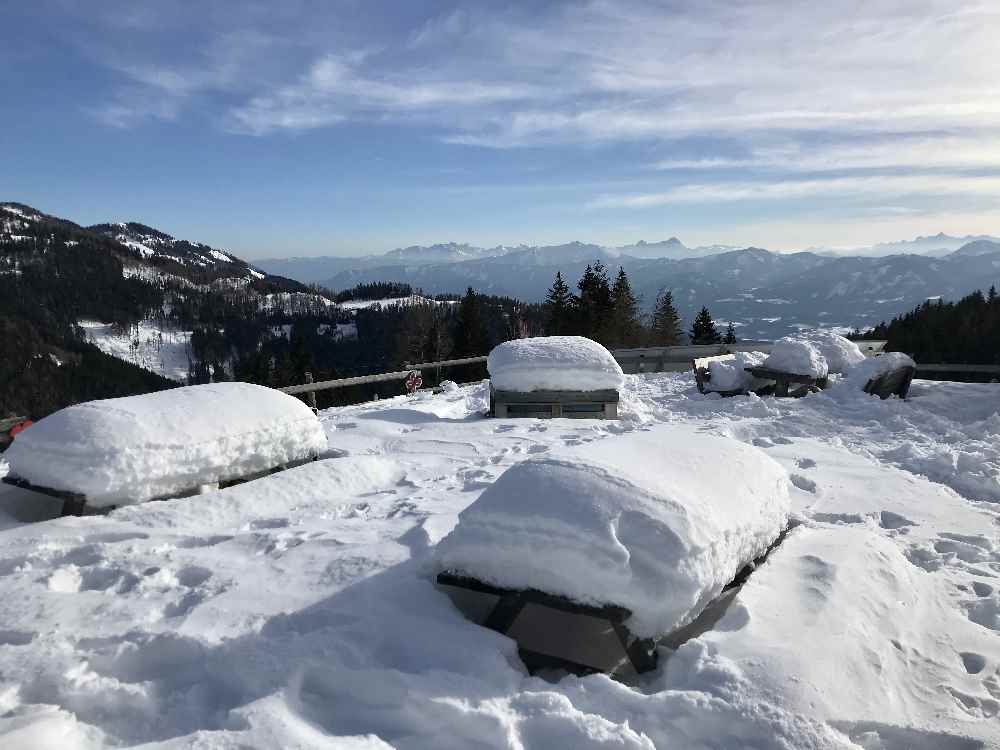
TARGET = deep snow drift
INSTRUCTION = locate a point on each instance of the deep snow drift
(126, 450)
(299, 610)
(594, 524)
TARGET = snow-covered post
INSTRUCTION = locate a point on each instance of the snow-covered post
(312, 394)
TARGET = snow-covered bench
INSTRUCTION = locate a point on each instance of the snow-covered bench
(796, 366)
(103, 454)
(554, 376)
(886, 375)
(726, 374)
(613, 544)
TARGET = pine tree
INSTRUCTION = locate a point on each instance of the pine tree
(666, 321)
(703, 330)
(471, 336)
(992, 296)
(558, 304)
(624, 327)
(593, 306)
(730, 337)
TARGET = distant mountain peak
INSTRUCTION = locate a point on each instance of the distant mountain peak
(978, 247)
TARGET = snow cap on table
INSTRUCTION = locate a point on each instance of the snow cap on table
(553, 363)
(796, 355)
(125, 450)
(730, 374)
(656, 521)
(841, 353)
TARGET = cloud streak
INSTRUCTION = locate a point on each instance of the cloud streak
(906, 186)
(713, 102)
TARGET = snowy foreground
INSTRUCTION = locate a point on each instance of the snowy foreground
(299, 610)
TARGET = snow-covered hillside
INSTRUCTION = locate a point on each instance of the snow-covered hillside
(157, 348)
(413, 299)
(152, 244)
(299, 610)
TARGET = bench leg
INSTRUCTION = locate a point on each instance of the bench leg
(505, 612)
(73, 506)
(641, 651)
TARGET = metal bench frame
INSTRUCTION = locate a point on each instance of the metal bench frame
(640, 651)
(75, 503)
(783, 380)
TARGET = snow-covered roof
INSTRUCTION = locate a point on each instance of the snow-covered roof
(553, 363)
(596, 524)
(125, 450)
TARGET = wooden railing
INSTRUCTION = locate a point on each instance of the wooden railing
(632, 361)
(975, 369)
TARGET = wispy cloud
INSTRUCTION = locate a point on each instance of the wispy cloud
(882, 185)
(767, 100)
(335, 89)
(605, 71)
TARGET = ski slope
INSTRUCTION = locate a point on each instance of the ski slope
(299, 610)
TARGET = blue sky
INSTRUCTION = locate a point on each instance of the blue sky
(311, 128)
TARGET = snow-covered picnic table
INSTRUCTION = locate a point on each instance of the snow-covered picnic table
(554, 376)
(127, 450)
(656, 522)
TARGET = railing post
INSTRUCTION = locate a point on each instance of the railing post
(312, 394)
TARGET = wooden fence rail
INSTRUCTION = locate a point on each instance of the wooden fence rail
(984, 369)
(632, 361)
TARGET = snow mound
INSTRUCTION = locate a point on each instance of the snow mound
(594, 524)
(553, 363)
(841, 353)
(872, 367)
(798, 356)
(127, 450)
(731, 374)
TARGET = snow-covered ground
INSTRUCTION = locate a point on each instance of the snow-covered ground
(413, 299)
(291, 303)
(299, 610)
(163, 350)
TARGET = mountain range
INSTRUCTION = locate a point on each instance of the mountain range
(57, 279)
(766, 294)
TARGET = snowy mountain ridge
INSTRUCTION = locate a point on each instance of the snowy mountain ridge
(766, 294)
(152, 244)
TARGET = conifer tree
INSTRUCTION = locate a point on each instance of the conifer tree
(471, 336)
(730, 337)
(558, 304)
(625, 328)
(666, 321)
(703, 330)
(594, 304)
